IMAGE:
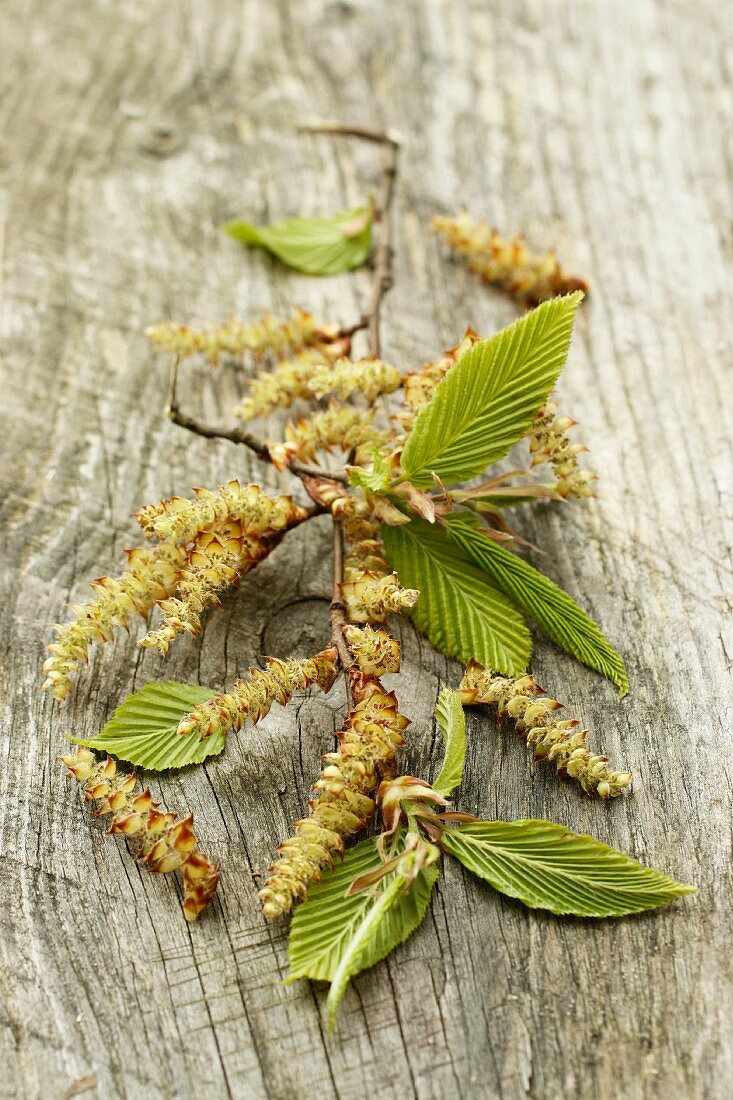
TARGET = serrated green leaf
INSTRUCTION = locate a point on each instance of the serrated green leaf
(461, 613)
(554, 611)
(546, 866)
(488, 400)
(452, 722)
(315, 246)
(143, 729)
(334, 936)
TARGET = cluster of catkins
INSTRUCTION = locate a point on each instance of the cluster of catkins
(202, 546)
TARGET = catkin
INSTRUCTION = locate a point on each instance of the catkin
(419, 386)
(151, 575)
(375, 652)
(371, 598)
(180, 519)
(215, 562)
(531, 276)
(285, 383)
(369, 377)
(162, 842)
(253, 698)
(549, 442)
(269, 335)
(533, 713)
(368, 744)
(364, 548)
(337, 427)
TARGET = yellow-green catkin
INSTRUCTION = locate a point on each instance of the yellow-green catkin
(253, 698)
(161, 841)
(534, 716)
(367, 753)
(376, 653)
(180, 519)
(371, 599)
(267, 336)
(215, 562)
(364, 548)
(369, 377)
(339, 427)
(370, 592)
(549, 442)
(531, 276)
(152, 574)
(279, 387)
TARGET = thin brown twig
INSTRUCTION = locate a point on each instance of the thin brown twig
(238, 435)
(382, 259)
(364, 133)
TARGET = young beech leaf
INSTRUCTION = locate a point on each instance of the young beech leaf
(460, 612)
(143, 729)
(315, 246)
(488, 400)
(373, 480)
(452, 721)
(554, 611)
(548, 867)
(333, 936)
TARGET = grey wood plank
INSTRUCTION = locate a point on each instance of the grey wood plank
(129, 131)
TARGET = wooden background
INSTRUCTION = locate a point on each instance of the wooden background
(130, 129)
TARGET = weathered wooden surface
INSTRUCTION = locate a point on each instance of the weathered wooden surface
(131, 129)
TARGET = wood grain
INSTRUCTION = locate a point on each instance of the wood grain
(129, 131)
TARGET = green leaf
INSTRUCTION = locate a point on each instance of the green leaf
(488, 400)
(143, 729)
(333, 936)
(460, 612)
(452, 722)
(554, 611)
(372, 480)
(548, 867)
(316, 246)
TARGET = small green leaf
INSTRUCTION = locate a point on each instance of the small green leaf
(460, 612)
(373, 480)
(547, 867)
(143, 729)
(315, 246)
(452, 722)
(334, 936)
(554, 611)
(488, 400)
